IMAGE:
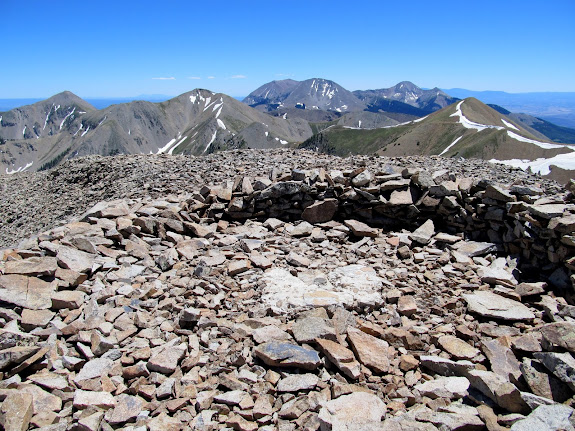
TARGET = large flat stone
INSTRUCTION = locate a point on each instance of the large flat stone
(372, 352)
(26, 292)
(356, 411)
(444, 387)
(490, 304)
(280, 354)
(32, 266)
(556, 417)
(474, 248)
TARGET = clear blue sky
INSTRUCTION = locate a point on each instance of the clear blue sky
(122, 48)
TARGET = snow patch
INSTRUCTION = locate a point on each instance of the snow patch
(165, 147)
(541, 165)
(208, 100)
(285, 116)
(531, 141)
(216, 106)
(511, 126)
(420, 119)
(85, 131)
(103, 119)
(170, 151)
(0, 120)
(450, 145)
(81, 127)
(193, 99)
(221, 124)
(470, 124)
(24, 132)
(20, 169)
(283, 142)
(48, 116)
(219, 112)
(359, 124)
(266, 133)
(211, 140)
(66, 117)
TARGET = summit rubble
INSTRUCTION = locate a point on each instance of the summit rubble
(156, 304)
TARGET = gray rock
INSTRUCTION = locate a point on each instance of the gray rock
(297, 382)
(555, 417)
(562, 365)
(423, 234)
(444, 387)
(362, 178)
(95, 368)
(127, 409)
(490, 304)
(320, 212)
(307, 329)
(474, 249)
(287, 355)
(543, 384)
(505, 394)
(561, 334)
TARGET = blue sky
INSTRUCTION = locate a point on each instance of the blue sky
(128, 48)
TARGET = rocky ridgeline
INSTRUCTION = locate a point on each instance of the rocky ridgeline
(386, 294)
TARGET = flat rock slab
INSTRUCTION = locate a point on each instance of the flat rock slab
(490, 304)
(343, 286)
(457, 347)
(356, 411)
(32, 266)
(361, 229)
(287, 355)
(297, 382)
(553, 418)
(371, 351)
(561, 334)
(474, 248)
(26, 292)
(16, 411)
(444, 387)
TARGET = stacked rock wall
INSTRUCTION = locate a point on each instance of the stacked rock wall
(520, 219)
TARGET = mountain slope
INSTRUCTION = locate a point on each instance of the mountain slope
(195, 123)
(271, 93)
(539, 127)
(405, 93)
(311, 94)
(323, 94)
(469, 129)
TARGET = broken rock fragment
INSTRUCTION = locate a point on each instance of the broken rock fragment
(287, 355)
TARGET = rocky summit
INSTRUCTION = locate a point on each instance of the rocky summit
(286, 290)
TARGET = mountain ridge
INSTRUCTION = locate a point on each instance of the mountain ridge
(42, 135)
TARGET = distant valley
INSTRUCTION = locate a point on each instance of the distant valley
(317, 114)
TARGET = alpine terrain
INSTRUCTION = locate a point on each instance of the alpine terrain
(317, 114)
(41, 135)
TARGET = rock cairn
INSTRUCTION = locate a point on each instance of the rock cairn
(390, 297)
